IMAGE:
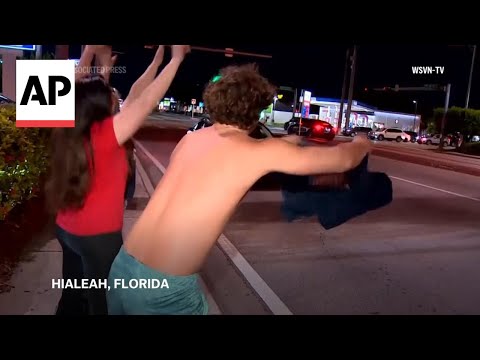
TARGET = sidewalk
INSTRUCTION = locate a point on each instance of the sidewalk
(32, 292)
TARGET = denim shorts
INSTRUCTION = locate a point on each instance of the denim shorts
(136, 289)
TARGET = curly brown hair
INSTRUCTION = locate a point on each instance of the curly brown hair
(239, 96)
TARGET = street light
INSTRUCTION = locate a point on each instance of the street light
(415, 118)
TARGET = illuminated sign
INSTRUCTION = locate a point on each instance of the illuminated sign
(307, 95)
(20, 47)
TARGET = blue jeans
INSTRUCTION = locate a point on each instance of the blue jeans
(131, 182)
(161, 294)
(86, 257)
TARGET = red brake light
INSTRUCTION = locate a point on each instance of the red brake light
(318, 127)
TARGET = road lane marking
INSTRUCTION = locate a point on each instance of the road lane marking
(213, 308)
(143, 175)
(435, 188)
(271, 300)
(150, 156)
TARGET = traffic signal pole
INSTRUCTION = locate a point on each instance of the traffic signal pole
(350, 89)
(444, 117)
(344, 90)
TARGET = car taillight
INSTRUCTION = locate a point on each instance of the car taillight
(318, 127)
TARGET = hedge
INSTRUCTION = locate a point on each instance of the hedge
(472, 148)
(466, 121)
(23, 160)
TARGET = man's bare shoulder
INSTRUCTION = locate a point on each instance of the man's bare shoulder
(270, 144)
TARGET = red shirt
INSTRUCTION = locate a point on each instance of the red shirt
(104, 204)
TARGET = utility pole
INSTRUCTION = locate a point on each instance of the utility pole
(415, 116)
(444, 117)
(344, 90)
(350, 89)
(295, 100)
(61, 52)
(38, 52)
(470, 77)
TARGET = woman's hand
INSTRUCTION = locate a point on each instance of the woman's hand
(179, 52)
(105, 60)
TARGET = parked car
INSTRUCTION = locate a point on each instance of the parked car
(355, 130)
(288, 123)
(312, 128)
(434, 139)
(389, 134)
(413, 136)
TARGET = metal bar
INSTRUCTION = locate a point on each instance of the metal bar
(221, 51)
(224, 51)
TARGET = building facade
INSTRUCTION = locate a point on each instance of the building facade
(327, 109)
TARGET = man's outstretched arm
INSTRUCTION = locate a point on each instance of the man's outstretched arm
(312, 160)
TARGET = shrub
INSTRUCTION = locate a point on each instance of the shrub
(23, 160)
(472, 148)
(466, 121)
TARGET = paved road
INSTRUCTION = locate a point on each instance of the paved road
(417, 256)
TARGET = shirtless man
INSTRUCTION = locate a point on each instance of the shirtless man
(181, 223)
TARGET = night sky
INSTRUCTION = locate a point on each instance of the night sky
(320, 68)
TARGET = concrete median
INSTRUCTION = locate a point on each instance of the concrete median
(464, 167)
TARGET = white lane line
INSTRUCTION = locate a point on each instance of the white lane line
(272, 301)
(434, 188)
(213, 308)
(143, 175)
(150, 156)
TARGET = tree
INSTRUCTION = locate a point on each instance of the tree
(465, 121)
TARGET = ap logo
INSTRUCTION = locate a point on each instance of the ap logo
(45, 93)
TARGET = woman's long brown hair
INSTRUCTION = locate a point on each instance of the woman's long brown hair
(71, 153)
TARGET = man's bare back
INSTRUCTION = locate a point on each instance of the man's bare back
(209, 173)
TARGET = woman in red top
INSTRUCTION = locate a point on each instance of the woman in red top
(89, 173)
